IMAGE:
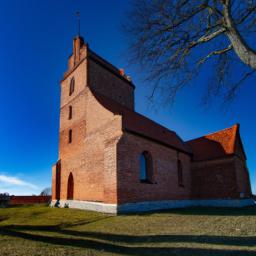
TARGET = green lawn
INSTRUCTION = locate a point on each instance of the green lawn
(40, 230)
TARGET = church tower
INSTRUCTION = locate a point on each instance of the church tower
(81, 171)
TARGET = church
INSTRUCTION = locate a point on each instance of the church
(114, 160)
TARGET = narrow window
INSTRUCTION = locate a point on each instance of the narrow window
(145, 167)
(180, 174)
(69, 136)
(70, 112)
(71, 86)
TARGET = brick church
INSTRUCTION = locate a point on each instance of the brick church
(112, 159)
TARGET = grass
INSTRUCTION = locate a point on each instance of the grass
(40, 230)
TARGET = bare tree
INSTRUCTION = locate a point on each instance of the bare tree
(46, 192)
(175, 40)
(4, 199)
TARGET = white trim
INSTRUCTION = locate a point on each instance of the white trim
(152, 205)
(87, 205)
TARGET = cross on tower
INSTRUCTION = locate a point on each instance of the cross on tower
(78, 21)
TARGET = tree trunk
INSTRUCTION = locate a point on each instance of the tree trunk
(241, 48)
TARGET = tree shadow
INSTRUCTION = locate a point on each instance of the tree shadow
(129, 244)
(81, 222)
(3, 218)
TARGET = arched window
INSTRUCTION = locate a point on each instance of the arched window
(71, 86)
(146, 167)
(70, 192)
(180, 174)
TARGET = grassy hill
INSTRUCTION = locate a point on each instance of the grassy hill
(40, 230)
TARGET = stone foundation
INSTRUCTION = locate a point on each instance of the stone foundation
(152, 206)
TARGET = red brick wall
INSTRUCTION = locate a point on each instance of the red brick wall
(91, 156)
(165, 173)
(214, 180)
(16, 200)
(219, 179)
(87, 157)
(103, 129)
(72, 154)
(242, 177)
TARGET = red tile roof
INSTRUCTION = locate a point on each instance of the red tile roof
(139, 124)
(215, 145)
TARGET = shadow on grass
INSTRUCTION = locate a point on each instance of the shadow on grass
(3, 218)
(129, 244)
(209, 211)
(77, 223)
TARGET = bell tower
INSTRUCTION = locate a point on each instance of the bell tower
(85, 170)
(72, 129)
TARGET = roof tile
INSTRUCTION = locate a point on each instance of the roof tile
(214, 145)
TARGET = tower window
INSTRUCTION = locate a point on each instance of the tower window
(146, 167)
(70, 136)
(72, 86)
(180, 173)
(70, 112)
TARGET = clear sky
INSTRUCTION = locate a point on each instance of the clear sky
(35, 42)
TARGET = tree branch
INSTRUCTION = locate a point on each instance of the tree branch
(231, 93)
(207, 38)
(218, 52)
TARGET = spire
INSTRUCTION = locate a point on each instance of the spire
(78, 42)
(78, 22)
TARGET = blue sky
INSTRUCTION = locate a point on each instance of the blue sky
(35, 41)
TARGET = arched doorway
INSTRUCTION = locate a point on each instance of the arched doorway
(70, 192)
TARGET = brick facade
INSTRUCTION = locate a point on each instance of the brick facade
(101, 141)
(219, 166)
(164, 184)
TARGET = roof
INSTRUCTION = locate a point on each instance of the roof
(215, 145)
(110, 67)
(143, 126)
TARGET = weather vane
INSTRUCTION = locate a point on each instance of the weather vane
(78, 21)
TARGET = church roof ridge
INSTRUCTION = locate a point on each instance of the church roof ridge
(142, 125)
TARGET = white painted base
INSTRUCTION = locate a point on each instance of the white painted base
(151, 206)
(86, 205)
